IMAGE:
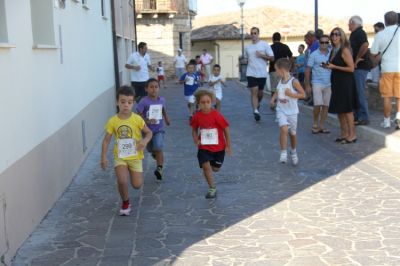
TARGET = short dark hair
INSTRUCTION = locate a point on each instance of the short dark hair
(197, 56)
(216, 65)
(141, 45)
(379, 25)
(302, 46)
(283, 63)
(276, 37)
(150, 80)
(126, 91)
(319, 33)
(391, 18)
(192, 62)
(325, 36)
(255, 28)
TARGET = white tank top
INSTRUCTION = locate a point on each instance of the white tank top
(286, 104)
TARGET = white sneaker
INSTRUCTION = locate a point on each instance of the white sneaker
(385, 123)
(125, 212)
(397, 120)
(295, 159)
(283, 158)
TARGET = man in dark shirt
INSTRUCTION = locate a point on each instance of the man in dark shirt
(280, 51)
(359, 45)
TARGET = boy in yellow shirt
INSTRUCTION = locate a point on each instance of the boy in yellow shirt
(127, 127)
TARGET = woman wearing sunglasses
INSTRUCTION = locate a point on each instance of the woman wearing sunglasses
(343, 98)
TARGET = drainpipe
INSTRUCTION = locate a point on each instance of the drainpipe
(114, 41)
(134, 23)
(217, 52)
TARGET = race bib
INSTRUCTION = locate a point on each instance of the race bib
(189, 80)
(209, 136)
(155, 111)
(126, 148)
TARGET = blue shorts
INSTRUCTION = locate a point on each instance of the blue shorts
(156, 143)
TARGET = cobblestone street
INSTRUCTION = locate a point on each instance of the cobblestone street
(339, 206)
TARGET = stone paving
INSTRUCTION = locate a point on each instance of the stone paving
(339, 206)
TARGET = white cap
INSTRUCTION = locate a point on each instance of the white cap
(179, 50)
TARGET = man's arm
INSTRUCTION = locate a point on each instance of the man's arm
(361, 52)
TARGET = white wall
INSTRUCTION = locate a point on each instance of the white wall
(38, 94)
(45, 94)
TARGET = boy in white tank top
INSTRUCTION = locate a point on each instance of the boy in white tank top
(287, 93)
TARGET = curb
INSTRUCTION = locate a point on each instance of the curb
(380, 138)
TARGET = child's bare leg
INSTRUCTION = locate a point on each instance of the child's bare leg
(136, 179)
(159, 157)
(283, 137)
(207, 171)
(122, 173)
(218, 105)
(293, 141)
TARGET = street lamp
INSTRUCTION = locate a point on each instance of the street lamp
(242, 66)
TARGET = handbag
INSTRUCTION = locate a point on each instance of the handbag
(368, 58)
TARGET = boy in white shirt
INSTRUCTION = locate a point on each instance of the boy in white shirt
(287, 93)
(161, 75)
(216, 81)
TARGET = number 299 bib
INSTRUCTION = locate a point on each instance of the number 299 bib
(126, 148)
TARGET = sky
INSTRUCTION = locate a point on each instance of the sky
(371, 11)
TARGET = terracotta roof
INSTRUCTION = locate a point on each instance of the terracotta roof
(217, 32)
(272, 19)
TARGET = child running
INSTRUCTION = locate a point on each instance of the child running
(127, 129)
(191, 82)
(210, 133)
(216, 81)
(287, 93)
(160, 74)
(152, 109)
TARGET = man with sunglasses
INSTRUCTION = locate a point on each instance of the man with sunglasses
(359, 45)
(257, 54)
(321, 84)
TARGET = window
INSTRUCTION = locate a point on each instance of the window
(3, 23)
(85, 4)
(181, 35)
(153, 4)
(103, 9)
(42, 23)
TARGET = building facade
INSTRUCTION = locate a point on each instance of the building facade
(57, 80)
(165, 26)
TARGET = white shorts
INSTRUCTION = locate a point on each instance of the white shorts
(218, 95)
(287, 120)
(321, 95)
(190, 99)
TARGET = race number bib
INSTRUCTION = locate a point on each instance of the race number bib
(126, 148)
(189, 80)
(155, 111)
(209, 136)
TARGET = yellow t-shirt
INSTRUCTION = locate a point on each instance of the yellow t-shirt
(125, 130)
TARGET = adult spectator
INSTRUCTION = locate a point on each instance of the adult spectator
(300, 64)
(386, 48)
(139, 63)
(359, 45)
(280, 50)
(321, 84)
(343, 98)
(256, 55)
(376, 71)
(207, 60)
(312, 45)
(180, 64)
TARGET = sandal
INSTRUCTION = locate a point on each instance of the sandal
(315, 130)
(324, 131)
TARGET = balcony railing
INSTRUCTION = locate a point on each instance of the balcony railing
(156, 6)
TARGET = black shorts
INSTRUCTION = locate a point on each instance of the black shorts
(215, 158)
(256, 82)
(140, 88)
